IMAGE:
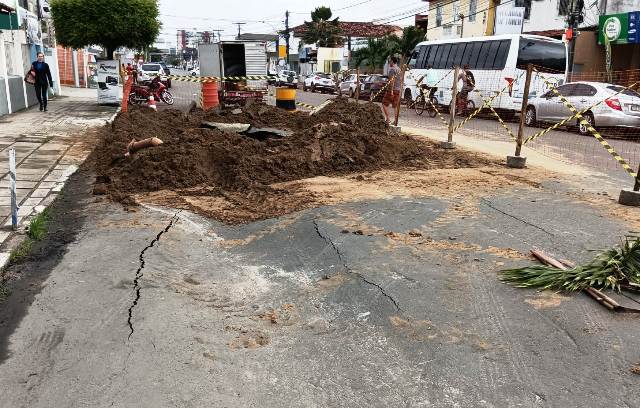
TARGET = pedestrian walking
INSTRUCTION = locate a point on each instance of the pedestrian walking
(43, 80)
(392, 94)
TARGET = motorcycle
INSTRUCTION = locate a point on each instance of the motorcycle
(140, 93)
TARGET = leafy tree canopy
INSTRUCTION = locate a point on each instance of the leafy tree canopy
(109, 23)
(321, 30)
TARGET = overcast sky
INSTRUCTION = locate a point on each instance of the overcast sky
(266, 16)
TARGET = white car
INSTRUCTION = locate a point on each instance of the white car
(348, 86)
(287, 78)
(151, 70)
(195, 71)
(606, 104)
(318, 81)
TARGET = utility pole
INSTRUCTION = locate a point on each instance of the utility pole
(574, 17)
(461, 17)
(218, 31)
(286, 30)
(239, 24)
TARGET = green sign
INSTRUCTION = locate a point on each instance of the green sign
(614, 28)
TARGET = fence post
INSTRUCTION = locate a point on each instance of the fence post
(357, 93)
(450, 144)
(631, 197)
(518, 161)
(12, 188)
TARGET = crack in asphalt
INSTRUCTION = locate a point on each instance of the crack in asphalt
(139, 274)
(330, 242)
(490, 205)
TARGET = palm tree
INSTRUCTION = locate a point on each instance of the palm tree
(373, 55)
(321, 30)
(405, 44)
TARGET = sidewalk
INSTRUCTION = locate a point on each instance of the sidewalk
(49, 147)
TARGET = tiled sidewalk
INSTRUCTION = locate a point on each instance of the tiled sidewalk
(49, 148)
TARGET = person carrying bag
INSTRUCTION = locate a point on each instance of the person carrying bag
(40, 76)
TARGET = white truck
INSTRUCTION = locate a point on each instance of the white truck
(236, 59)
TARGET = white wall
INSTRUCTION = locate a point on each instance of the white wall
(544, 16)
(619, 6)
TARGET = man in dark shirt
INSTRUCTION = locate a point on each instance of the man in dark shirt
(43, 80)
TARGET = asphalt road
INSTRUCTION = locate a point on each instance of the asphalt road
(160, 308)
(570, 145)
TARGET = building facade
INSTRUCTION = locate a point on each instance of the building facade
(21, 38)
(473, 18)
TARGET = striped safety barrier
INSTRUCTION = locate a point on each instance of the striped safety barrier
(572, 117)
(591, 129)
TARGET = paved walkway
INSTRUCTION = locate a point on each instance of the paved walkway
(49, 147)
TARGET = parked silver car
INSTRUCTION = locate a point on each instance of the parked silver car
(348, 86)
(620, 107)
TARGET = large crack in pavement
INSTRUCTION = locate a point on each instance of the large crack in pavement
(347, 268)
(140, 274)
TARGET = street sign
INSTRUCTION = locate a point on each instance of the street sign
(621, 28)
(632, 32)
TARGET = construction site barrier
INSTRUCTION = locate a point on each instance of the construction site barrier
(286, 98)
(210, 98)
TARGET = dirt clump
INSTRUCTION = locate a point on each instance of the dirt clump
(345, 137)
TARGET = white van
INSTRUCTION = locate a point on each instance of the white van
(495, 62)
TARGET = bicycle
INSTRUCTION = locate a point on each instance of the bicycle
(423, 104)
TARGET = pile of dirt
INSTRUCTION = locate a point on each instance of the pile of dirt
(344, 137)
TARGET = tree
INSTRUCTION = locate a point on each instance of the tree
(321, 30)
(373, 55)
(109, 23)
(405, 44)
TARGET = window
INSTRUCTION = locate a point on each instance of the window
(439, 12)
(473, 5)
(584, 90)
(432, 54)
(622, 90)
(424, 55)
(484, 53)
(491, 55)
(466, 57)
(413, 61)
(527, 7)
(457, 56)
(503, 53)
(438, 56)
(475, 53)
(563, 7)
(549, 56)
(442, 61)
(456, 10)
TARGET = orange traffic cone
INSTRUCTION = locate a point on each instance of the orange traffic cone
(152, 103)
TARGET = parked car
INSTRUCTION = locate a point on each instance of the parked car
(287, 78)
(372, 85)
(348, 86)
(621, 109)
(150, 70)
(319, 82)
(165, 67)
(194, 71)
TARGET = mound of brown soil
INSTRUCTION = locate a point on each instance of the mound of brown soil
(344, 137)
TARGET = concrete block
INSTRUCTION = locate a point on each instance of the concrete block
(630, 198)
(516, 162)
(448, 145)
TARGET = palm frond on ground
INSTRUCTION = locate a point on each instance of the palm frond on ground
(608, 270)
